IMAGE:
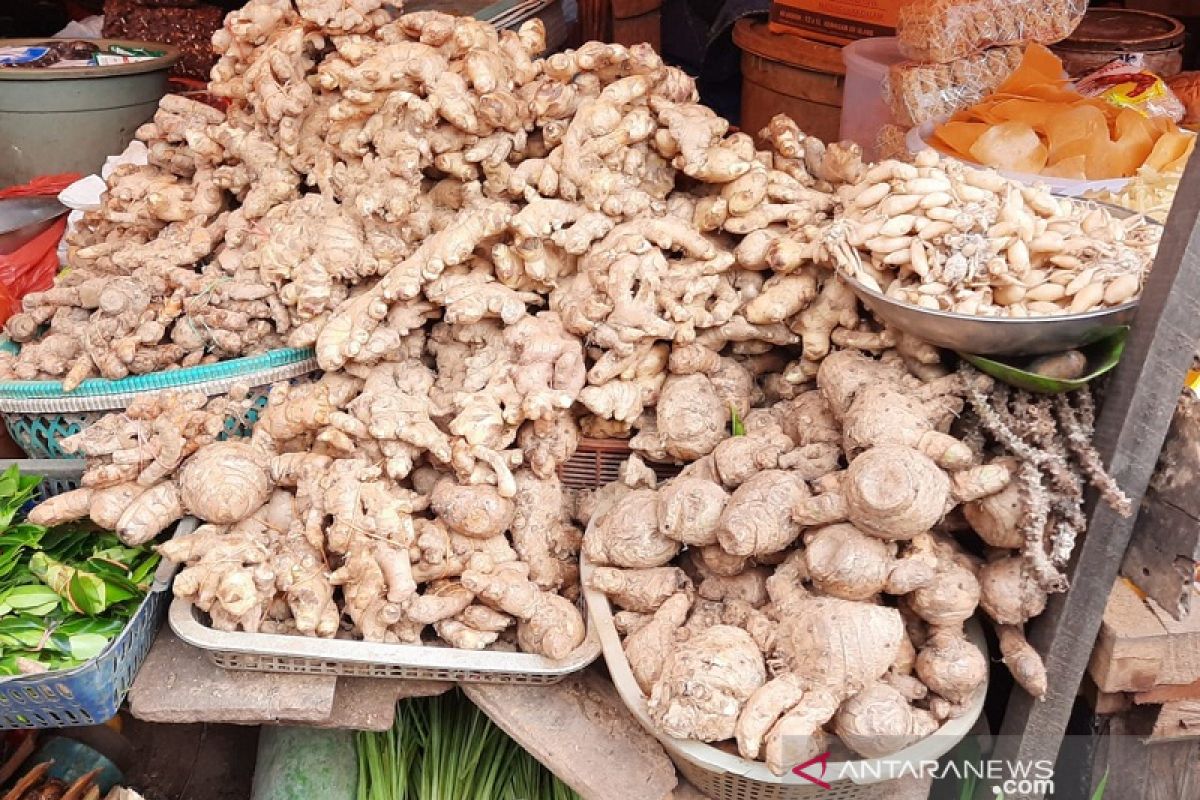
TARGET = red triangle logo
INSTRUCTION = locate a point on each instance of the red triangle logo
(823, 760)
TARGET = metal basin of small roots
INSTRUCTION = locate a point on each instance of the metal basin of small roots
(1000, 336)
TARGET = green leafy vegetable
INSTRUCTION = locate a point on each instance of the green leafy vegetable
(65, 592)
(445, 748)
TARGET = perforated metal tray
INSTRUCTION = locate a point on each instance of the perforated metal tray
(265, 652)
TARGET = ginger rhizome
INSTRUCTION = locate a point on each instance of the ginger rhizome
(816, 543)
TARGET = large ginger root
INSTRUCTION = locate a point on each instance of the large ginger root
(648, 646)
(757, 520)
(950, 665)
(640, 590)
(704, 682)
(896, 492)
(626, 534)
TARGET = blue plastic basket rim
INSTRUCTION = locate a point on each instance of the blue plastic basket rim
(217, 382)
(168, 379)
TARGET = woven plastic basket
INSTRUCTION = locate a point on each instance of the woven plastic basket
(596, 462)
(725, 776)
(91, 693)
(39, 414)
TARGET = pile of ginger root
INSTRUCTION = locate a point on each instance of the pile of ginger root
(376, 171)
(321, 525)
(812, 576)
(492, 254)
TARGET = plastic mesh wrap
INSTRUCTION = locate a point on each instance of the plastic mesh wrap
(919, 92)
(944, 30)
(892, 143)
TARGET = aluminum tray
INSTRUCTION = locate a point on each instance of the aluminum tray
(267, 652)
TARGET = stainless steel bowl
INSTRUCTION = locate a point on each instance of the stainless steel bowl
(996, 336)
(1002, 336)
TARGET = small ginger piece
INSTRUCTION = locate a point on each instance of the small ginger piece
(640, 590)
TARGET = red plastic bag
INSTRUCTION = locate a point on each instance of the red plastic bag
(29, 268)
(41, 186)
(32, 267)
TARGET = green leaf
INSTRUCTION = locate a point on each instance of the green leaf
(86, 646)
(98, 626)
(737, 427)
(22, 535)
(1101, 787)
(1101, 358)
(143, 574)
(25, 598)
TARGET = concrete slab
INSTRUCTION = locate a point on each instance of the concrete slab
(177, 683)
(583, 733)
(369, 704)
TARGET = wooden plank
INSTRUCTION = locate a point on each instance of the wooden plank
(1103, 704)
(1131, 646)
(1178, 720)
(1162, 556)
(1181, 663)
(1140, 771)
(582, 732)
(1165, 547)
(1178, 469)
(1168, 693)
(1138, 406)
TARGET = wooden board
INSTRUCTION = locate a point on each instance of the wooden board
(1137, 770)
(1138, 406)
(1165, 547)
(1141, 647)
(1169, 693)
(1162, 556)
(1178, 720)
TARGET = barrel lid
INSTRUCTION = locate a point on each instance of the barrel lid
(165, 61)
(752, 35)
(1125, 30)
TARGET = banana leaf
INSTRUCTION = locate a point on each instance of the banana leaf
(1101, 358)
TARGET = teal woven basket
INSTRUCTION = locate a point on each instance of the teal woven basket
(39, 414)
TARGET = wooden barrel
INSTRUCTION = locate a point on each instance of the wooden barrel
(1107, 33)
(626, 22)
(783, 74)
(637, 21)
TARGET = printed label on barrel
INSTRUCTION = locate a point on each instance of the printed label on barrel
(836, 20)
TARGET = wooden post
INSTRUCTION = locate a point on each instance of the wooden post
(1129, 435)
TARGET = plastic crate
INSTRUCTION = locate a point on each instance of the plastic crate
(91, 693)
(39, 414)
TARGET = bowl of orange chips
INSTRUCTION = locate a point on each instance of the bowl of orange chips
(1037, 128)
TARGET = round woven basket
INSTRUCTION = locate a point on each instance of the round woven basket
(39, 414)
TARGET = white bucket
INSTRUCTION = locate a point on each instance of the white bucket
(864, 111)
